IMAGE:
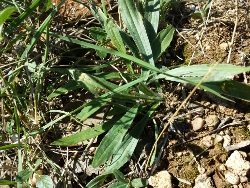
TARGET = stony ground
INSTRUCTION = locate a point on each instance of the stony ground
(207, 144)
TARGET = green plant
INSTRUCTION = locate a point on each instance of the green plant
(139, 45)
(146, 45)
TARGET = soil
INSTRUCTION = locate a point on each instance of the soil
(182, 151)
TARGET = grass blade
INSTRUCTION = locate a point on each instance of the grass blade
(17, 21)
(40, 30)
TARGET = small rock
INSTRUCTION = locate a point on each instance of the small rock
(197, 123)
(238, 164)
(203, 181)
(227, 140)
(232, 178)
(243, 179)
(161, 179)
(225, 45)
(218, 138)
(212, 120)
(208, 141)
(222, 167)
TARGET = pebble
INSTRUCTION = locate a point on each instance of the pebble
(208, 141)
(238, 164)
(197, 123)
(232, 178)
(218, 138)
(161, 179)
(212, 120)
(227, 141)
(203, 181)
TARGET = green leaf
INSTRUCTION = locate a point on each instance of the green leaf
(151, 18)
(133, 21)
(40, 30)
(64, 89)
(9, 146)
(97, 181)
(85, 135)
(220, 72)
(98, 33)
(229, 88)
(162, 41)
(127, 147)
(119, 176)
(139, 182)
(98, 85)
(218, 81)
(112, 140)
(95, 104)
(119, 185)
(23, 175)
(44, 181)
(114, 34)
(91, 107)
(7, 182)
(17, 21)
(123, 55)
(48, 5)
(5, 14)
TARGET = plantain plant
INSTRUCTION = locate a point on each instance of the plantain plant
(139, 42)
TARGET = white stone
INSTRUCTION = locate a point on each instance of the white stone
(203, 181)
(243, 179)
(212, 120)
(161, 179)
(218, 138)
(232, 177)
(227, 140)
(197, 123)
(208, 141)
(237, 163)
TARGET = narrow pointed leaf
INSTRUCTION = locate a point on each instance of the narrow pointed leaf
(151, 18)
(64, 89)
(96, 182)
(133, 21)
(129, 143)
(114, 35)
(85, 135)
(162, 41)
(94, 105)
(119, 185)
(5, 14)
(7, 182)
(17, 21)
(220, 72)
(112, 140)
(229, 88)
